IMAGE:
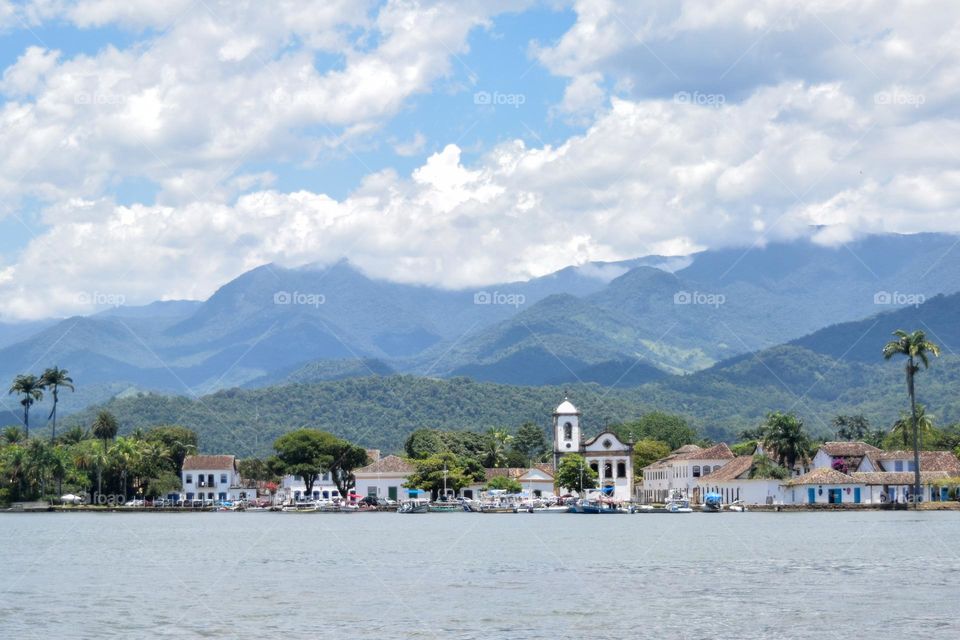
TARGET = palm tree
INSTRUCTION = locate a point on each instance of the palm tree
(13, 435)
(53, 379)
(74, 435)
(31, 388)
(903, 427)
(917, 349)
(767, 469)
(497, 440)
(784, 434)
(105, 427)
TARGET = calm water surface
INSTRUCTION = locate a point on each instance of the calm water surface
(271, 575)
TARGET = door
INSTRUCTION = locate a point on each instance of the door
(392, 493)
(811, 495)
(856, 495)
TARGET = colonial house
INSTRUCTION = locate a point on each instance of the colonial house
(733, 482)
(536, 481)
(605, 453)
(213, 478)
(824, 485)
(683, 470)
(888, 475)
(385, 478)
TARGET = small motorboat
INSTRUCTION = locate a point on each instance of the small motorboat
(414, 506)
(588, 505)
(737, 505)
(712, 503)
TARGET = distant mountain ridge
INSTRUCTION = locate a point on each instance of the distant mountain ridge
(616, 324)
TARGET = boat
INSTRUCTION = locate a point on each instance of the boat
(594, 505)
(712, 503)
(414, 506)
(681, 505)
(445, 507)
(300, 507)
(737, 505)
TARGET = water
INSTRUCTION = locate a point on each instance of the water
(271, 575)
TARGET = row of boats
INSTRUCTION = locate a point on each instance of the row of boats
(497, 502)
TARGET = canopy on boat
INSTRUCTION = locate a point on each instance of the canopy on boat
(608, 489)
(713, 497)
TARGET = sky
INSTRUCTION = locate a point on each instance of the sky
(156, 150)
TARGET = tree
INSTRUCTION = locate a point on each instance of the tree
(345, 457)
(765, 468)
(657, 425)
(574, 473)
(505, 483)
(851, 428)
(646, 452)
(304, 453)
(74, 435)
(179, 441)
(445, 470)
(917, 349)
(902, 431)
(783, 433)
(29, 387)
(530, 442)
(496, 447)
(54, 378)
(424, 443)
(13, 435)
(105, 427)
(254, 469)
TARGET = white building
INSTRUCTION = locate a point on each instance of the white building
(824, 485)
(733, 482)
(294, 489)
(385, 478)
(537, 481)
(848, 457)
(682, 470)
(606, 454)
(212, 478)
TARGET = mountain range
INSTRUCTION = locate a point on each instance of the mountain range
(669, 327)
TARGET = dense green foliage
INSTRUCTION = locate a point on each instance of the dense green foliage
(575, 474)
(445, 470)
(109, 469)
(309, 453)
(784, 435)
(510, 485)
(657, 425)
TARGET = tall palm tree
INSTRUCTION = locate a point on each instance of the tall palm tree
(31, 389)
(903, 428)
(783, 433)
(54, 378)
(497, 441)
(917, 350)
(105, 427)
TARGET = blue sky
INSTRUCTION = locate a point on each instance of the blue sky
(157, 150)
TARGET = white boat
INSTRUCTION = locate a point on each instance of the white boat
(300, 507)
(678, 503)
(737, 506)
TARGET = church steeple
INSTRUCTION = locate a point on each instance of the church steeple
(567, 436)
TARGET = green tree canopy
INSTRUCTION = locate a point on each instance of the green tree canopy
(575, 474)
(304, 453)
(458, 470)
(179, 441)
(530, 442)
(646, 452)
(784, 434)
(510, 485)
(665, 427)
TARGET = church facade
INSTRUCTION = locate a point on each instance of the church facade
(605, 453)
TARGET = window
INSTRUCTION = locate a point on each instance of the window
(696, 471)
(910, 466)
(223, 478)
(706, 469)
(621, 469)
(607, 469)
(898, 465)
(210, 495)
(595, 467)
(210, 481)
(607, 443)
(716, 467)
(568, 431)
(372, 492)
(189, 480)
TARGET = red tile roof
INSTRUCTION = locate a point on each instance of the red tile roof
(202, 463)
(848, 448)
(929, 460)
(823, 475)
(730, 471)
(716, 452)
(388, 464)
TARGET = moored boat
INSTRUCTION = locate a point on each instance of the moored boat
(712, 503)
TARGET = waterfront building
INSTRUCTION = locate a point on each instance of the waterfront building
(385, 478)
(824, 485)
(294, 489)
(849, 457)
(212, 478)
(733, 482)
(682, 470)
(536, 481)
(607, 455)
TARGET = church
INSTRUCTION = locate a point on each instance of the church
(605, 453)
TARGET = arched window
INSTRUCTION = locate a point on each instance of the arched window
(567, 431)
(607, 469)
(621, 469)
(716, 467)
(696, 471)
(706, 469)
(595, 467)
